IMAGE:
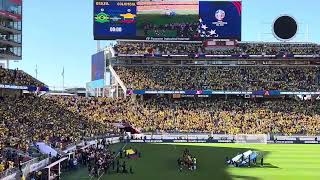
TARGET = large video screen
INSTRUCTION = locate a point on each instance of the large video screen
(167, 20)
(97, 66)
(220, 19)
(114, 19)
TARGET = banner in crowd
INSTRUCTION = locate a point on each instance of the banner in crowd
(266, 93)
(217, 56)
(218, 141)
(37, 166)
(221, 138)
(167, 20)
(27, 88)
(199, 93)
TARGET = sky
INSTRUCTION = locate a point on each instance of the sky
(59, 33)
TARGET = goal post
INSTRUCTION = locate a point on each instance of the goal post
(251, 138)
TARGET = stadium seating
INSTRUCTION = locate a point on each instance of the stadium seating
(218, 115)
(60, 121)
(18, 77)
(220, 78)
(64, 120)
(159, 48)
(32, 119)
(198, 48)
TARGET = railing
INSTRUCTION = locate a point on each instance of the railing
(8, 173)
(72, 146)
(117, 78)
(30, 162)
(27, 166)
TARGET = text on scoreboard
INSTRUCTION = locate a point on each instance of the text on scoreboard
(114, 19)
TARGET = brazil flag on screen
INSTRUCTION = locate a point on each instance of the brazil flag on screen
(220, 19)
(114, 19)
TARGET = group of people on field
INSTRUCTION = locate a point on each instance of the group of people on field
(187, 161)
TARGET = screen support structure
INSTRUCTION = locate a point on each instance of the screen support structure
(98, 46)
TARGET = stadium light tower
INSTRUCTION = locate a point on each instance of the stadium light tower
(36, 71)
(307, 33)
(62, 74)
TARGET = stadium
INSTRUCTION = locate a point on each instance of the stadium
(177, 95)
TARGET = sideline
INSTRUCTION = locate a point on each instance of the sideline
(114, 158)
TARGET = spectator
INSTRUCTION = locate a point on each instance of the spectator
(239, 78)
(18, 77)
(277, 49)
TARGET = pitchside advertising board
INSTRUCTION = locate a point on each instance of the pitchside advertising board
(216, 141)
(167, 20)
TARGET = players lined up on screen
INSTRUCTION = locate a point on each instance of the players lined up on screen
(196, 48)
(246, 78)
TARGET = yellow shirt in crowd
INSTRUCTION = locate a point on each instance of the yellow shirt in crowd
(1, 167)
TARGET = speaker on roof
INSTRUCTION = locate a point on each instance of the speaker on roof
(285, 28)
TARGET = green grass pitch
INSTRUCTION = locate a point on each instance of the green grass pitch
(159, 162)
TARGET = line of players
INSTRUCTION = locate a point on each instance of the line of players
(100, 160)
(187, 161)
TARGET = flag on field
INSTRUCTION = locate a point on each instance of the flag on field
(130, 152)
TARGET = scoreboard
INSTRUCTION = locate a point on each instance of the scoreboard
(114, 19)
(167, 20)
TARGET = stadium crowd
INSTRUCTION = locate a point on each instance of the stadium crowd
(60, 121)
(198, 48)
(18, 77)
(161, 48)
(8, 161)
(63, 120)
(220, 78)
(29, 119)
(232, 116)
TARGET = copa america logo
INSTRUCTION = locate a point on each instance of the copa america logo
(220, 15)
